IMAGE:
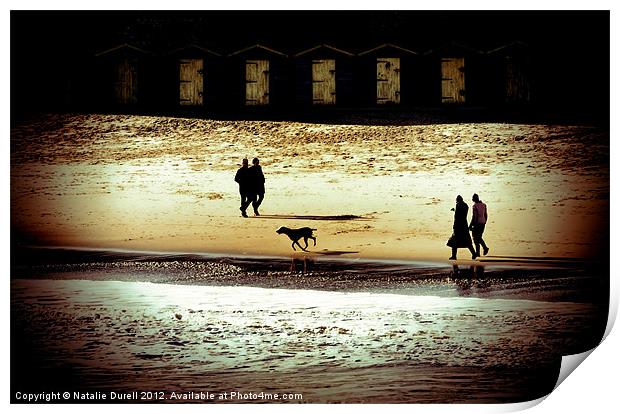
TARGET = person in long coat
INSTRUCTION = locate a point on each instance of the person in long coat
(258, 185)
(460, 235)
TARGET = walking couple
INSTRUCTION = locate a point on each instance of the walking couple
(460, 236)
(251, 186)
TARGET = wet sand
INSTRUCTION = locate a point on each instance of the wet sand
(344, 332)
(510, 278)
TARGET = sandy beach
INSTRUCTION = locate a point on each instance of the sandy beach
(132, 269)
(372, 191)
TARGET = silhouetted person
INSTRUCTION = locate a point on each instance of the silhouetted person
(478, 222)
(245, 186)
(460, 236)
(258, 185)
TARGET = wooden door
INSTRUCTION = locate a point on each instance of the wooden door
(256, 82)
(126, 82)
(517, 84)
(191, 81)
(453, 80)
(324, 82)
(388, 80)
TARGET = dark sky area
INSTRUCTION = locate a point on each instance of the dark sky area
(86, 32)
(570, 48)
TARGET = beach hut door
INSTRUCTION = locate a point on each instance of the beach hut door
(324, 82)
(191, 73)
(453, 80)
(388, 80)
(126, 82)
(257, 82)
(517, 86)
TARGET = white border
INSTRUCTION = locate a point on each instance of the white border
(592, 388)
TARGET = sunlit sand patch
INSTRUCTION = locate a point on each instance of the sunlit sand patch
(158, 183)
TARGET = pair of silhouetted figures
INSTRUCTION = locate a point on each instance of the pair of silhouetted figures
(460, 235)
(251, 186)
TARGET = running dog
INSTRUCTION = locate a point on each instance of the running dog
(296, 234)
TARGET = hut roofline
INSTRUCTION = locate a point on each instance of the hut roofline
(257, 46)
(194, 46)
(121, 47)
(516, 44)
(387, 45)
(453, 44)
(323, 46)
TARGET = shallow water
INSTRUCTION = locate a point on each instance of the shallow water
(329, 346)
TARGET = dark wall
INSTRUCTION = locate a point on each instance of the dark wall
(51, 50)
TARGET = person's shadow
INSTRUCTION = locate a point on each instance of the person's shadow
(341, 217)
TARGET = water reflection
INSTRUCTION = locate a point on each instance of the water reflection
(470, 280)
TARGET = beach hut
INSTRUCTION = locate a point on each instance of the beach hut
(454, 70)
(510, 70)
(263, 74)
(324, 76)
(123, 75)
(387, 74)
(197, 71)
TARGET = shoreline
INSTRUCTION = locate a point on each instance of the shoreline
(569, 280)
(490, 261)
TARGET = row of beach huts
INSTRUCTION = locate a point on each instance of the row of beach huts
(260, 76)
